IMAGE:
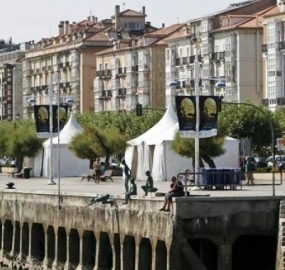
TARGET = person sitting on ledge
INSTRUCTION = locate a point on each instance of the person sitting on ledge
(148, 187)
(177, 190)
(132, 190)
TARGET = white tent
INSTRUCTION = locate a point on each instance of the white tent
(137, 156)
(158, 156)
(63, 158)
(166, 163)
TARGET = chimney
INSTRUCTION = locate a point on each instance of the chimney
(61, 28)
(117, 17)
(66, 26)
(143, 10)
(163, 25)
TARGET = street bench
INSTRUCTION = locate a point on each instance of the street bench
(107, 176)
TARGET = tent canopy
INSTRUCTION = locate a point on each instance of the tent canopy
(64, 162)
(168, 120)
(71, 129)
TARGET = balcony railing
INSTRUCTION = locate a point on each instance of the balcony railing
(135, 68)
(264, 48)
(122, 92)
(281, 45)
(105, 94)
(122, 71)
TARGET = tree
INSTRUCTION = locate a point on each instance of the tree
(128, 124)
(208, 147)
(20, 140)
(94, 142)
(246, 121)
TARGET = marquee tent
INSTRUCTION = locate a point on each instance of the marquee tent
(152, 151)
(63, 158)
(166, 163)
(137, 156)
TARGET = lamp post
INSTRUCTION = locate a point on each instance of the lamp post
(50, 96)
(197, 142)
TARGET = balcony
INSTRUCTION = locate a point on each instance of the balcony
(280, 101)
(146, 67)
(108, 73)
(281, 45)
(135, 68)
(121, 92)
(265, 102)
(264, 48)
(105, 94)
(192, 58)
(99, 73)
(222, 55)
(121, 71)
(214, 56)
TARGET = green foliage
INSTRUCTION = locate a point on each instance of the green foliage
(128, 124)
(208, 147)
(19, 139)
(247, 121)
(96, 142)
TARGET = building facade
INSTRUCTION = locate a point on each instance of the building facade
(11, 56)
(273, 49)
(227, 45)
(65, 63)
(132, 71)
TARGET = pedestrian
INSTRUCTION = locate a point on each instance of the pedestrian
(249, 169)
(177, 190)
(132, 190)
(97, 170)
(127, 173)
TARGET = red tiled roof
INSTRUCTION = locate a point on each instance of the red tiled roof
(251, 21)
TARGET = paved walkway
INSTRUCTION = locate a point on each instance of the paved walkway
(74, 185)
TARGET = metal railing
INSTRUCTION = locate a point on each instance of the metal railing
(223, 179)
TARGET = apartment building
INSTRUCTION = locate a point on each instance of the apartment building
(273, 49)
(133, 70)
(228, 48)
(66, 62)
(11, 56)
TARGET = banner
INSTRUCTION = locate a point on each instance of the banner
(42, 118)
(208, 115)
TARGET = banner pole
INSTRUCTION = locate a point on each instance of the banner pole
(50, 95)
(197, 99)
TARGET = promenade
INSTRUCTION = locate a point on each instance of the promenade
(74, 185)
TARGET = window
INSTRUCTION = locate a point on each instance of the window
(133, 26)
(167, 54)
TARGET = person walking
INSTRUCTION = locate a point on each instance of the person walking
(127, 173)
(249, 169)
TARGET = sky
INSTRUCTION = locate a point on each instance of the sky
(27, 20)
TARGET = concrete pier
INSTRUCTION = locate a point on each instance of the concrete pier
(208, 230)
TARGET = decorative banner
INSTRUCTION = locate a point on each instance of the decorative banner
(186, 113)
(42, 118)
